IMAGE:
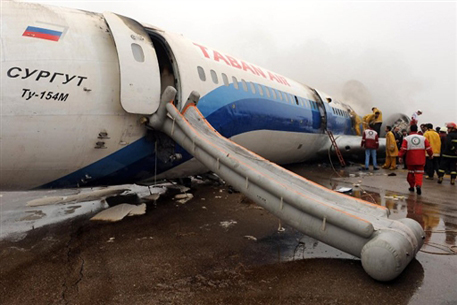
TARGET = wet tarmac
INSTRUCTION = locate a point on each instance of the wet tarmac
(218, 248)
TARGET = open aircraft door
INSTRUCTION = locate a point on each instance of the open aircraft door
(138, 65)
(322, 110)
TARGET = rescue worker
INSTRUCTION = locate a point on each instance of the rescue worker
(422, 130)
(377, 120)
(415, 146)
(404, 134)
(415, 117)
(371, 143)
(449, 156)
(398, 139)
(443, 134)
(356, 121)
(398, 136)
(391, 150)
(432, 165)
(367, 120)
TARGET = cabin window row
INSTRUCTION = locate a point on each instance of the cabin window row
(340, 112)
(258, 88)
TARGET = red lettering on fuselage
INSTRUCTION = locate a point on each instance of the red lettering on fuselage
(233, 62)
(273, 77)
(218, 56)
(246, 67)
(258, 71)
(230, 61)
(203, 50)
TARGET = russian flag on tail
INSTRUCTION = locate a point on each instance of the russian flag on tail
(36, 32)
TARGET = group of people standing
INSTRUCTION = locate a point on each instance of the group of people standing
(421, 150)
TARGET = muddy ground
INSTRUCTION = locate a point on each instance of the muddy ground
(200, 252)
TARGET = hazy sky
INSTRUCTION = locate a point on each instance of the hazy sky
(398, 56)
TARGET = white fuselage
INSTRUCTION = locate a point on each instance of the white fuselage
(67, 118)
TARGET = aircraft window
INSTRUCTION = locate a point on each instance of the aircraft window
(252, 87)
(259, 87)
(273, 92)
(138, 53)
(201, 73)
(214, 77)
(245, 86)
(285, 96)
(296, 100)
(267, 91)
(225, 79)
(279, 94)
(235, 82)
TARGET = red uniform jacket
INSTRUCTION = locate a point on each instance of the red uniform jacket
(370, 139)
(415, 146)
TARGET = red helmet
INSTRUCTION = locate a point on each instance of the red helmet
(451, 125)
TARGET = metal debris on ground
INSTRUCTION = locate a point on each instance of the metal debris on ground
(152, 197)
(81, 197)
(250, 237)
(183, 198)
(120, 211)
(227, 224)
(344, 190)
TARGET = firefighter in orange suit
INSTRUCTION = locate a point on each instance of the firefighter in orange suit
(377, 120)
(432, 165)
(415, 146)
(356, 121)
(391, 150)
(368, 120)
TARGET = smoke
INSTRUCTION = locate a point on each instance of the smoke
(357, 95)
(365, 78)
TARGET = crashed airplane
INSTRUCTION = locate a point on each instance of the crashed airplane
(100, 99)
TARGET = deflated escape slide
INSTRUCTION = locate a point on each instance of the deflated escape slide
(352, 225)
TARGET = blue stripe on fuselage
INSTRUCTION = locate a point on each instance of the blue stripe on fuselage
(230, 111)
